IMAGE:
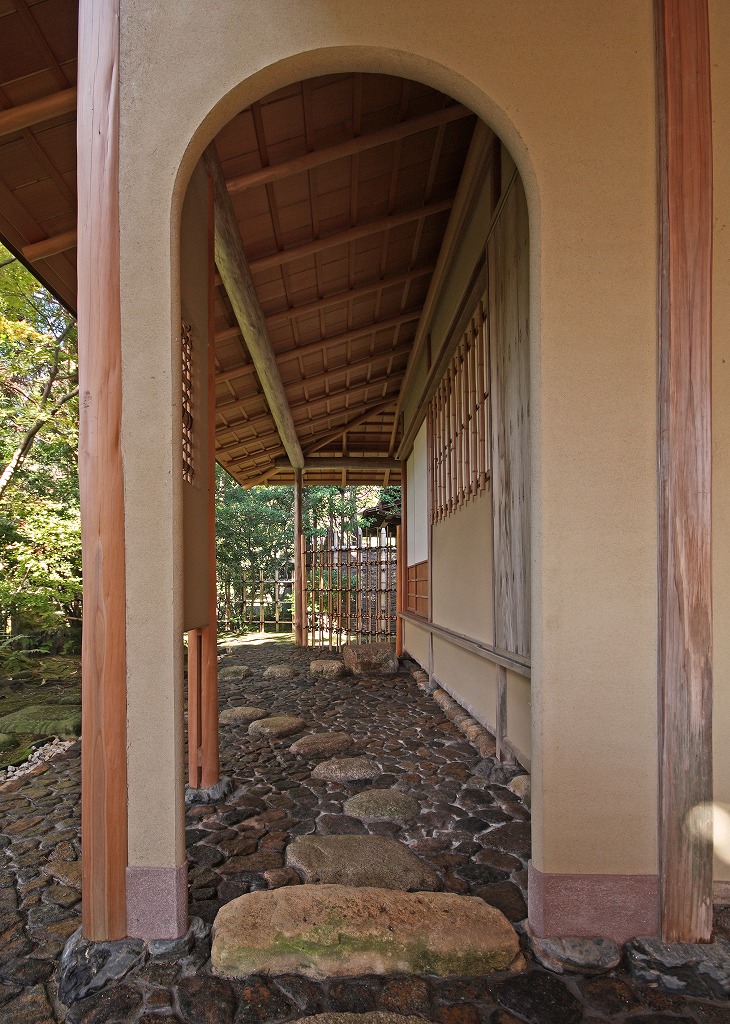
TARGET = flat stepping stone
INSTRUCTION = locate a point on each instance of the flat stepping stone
(274, 728)
(346, 769)
(332, 931)
(279, 672)
(370, 659)
(327, 667)
(316, 743)
(242, 716)
(576, 955)
(382, 805)
(360, 861)
(233, 672)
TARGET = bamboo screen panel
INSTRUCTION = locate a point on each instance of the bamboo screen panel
(458, 422)
(187, 403)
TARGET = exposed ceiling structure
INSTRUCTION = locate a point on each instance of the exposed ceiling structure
(341, 189)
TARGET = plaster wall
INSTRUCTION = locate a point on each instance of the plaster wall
(569, 88)
(720, 57)
(469, 678)
(417, 491)
(462, 570)
(194, 307)
(519, 715)
(415, 643)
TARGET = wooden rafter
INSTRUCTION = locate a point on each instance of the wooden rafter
(308, 161)
(373, 227)
(25, 115)
(337, 462)
(323, 345)
(50, 246)
(233, 267)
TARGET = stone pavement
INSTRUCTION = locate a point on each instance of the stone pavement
(472, 834)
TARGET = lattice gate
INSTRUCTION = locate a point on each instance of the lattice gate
(349, 585)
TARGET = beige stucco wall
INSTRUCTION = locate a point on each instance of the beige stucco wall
(570, 89)
(519, 715)
(194, 308)
(469, 678)
(462, 569)
(417, 501)
(720, 55)
(415, 643)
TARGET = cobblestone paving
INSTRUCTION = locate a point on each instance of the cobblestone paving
(475, 836)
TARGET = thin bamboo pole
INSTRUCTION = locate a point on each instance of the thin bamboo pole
(300, 608)
(262, 619)
(304, 621)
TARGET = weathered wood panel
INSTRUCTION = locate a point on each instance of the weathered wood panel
(509, 295)
(104, 724)
(685, 472)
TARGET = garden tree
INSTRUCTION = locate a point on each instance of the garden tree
(40, 547)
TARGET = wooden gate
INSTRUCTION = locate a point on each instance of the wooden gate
(349, 589)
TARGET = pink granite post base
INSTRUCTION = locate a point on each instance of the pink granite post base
(157, 902)
(619, 907)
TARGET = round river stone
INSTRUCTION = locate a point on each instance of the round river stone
(346, 769)
(327, 667)
(279, 672)
(321, 743)
(382, 805)
(282, 725)
(233, 672)
(242, 716)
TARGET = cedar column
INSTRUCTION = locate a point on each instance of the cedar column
(104, 748)
(299, 610)
(210, 768)
(685, 570)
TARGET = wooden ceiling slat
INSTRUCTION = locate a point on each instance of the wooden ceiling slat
(307, 161)
(373, 227)
(26, 115)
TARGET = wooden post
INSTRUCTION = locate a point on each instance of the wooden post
(195, 667)
(299, 609)
(104, 716)
(303, 622)
(685, 469)
(210, 774)
(262, 614)
(399, 591)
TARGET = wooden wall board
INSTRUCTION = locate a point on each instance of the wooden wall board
(508, 311)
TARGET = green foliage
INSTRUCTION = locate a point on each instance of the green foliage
(40, 540)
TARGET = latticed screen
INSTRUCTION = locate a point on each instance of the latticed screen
(458, 422)
(187, 403)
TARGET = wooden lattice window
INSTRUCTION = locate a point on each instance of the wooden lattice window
(458, 422)
(417, 590)
(187, 403)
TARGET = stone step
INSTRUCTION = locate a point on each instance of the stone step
(370, 659)
(360, 861)
(327, 931)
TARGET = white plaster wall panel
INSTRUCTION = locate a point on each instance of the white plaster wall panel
(417, 498)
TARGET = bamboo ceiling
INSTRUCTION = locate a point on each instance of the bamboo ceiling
(341, 187)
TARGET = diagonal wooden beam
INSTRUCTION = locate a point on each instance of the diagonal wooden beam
(25, 115)
(348, 295)
(372, 227)
(307, 161)
(236, 276)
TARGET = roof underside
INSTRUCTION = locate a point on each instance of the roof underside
(341, 245)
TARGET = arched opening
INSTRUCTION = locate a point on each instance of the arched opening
(370, 321)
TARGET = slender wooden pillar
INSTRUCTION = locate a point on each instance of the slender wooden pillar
(298, 585)
(399, 591)
(194, 710)
(685, 570)
(210, 767)
(104, 717)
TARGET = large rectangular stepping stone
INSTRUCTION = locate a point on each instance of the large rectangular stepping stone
(361, 861)
(332, 931)
(370, 659)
